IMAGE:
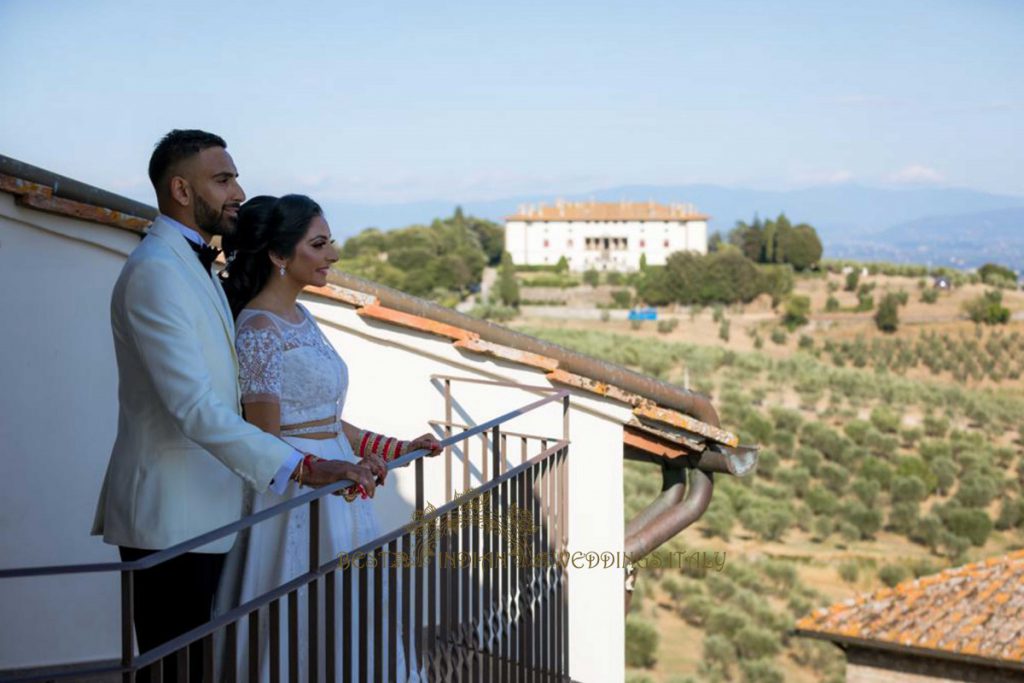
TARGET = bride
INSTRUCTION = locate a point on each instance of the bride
(293, 385)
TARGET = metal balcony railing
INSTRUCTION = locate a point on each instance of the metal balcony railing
(469, 591)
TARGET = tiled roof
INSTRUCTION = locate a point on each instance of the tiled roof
(659, 441)
(974, 611)
(608, 211)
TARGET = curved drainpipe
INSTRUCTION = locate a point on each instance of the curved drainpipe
(673, 486)
(667, 515)
(675, 518)
(671, 521)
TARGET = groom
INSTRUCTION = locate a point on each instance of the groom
(183, 454)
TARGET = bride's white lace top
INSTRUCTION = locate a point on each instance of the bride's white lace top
(291, 364)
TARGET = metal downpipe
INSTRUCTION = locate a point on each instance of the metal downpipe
(666, 525)
(673, 487)
(673, 520)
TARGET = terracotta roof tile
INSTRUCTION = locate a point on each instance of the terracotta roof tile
(977, 609)
(41, 197)
(678, 419)
(415, 322)
(519, 356)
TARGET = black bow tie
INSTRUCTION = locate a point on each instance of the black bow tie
(207, 254)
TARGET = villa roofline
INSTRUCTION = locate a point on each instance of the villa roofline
(607, 212)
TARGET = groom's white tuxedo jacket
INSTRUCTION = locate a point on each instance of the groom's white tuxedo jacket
(183, 455)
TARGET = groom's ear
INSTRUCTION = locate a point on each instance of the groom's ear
(181, 191)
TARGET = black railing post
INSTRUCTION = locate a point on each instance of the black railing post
(392, 611)
(330, 632)
(418, 569)
(448, 435)
(127, 625)
(378, 614)
(313, 592)
(563, 465)
(275, 641)
(408, 558)
(348, 628)
(254, 646)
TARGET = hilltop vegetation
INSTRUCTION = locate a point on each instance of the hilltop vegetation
(442, 261)
(866, 478)
(777, 241)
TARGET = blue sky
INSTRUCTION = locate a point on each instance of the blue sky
(405, 101)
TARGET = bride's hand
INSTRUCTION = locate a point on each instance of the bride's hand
(376, 464)
(425, 441)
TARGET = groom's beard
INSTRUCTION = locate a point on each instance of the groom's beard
(212, 221)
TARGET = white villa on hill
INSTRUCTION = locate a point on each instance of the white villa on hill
(604, 235)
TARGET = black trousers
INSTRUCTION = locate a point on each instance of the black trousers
(170, 599)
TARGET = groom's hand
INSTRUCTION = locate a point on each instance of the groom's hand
(325, 472)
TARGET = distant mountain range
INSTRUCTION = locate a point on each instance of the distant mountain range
(964, 240)
(937, 226)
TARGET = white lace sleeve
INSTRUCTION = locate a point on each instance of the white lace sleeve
(260, 355)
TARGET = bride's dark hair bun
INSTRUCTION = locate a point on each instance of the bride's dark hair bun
(265, 224)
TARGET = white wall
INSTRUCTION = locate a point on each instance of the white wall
(545, 242)
(58, 413)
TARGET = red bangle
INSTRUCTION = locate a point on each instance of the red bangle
(306, 464)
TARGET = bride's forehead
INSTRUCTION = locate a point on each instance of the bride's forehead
(318, 227)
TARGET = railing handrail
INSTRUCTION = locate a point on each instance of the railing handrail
(462, 425)
(250, 520)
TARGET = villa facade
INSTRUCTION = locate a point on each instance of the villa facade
(604, 235)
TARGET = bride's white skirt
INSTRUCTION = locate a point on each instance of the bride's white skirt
(277, 550)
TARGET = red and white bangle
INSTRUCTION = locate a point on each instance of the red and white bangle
(306, 465)
(387, 447)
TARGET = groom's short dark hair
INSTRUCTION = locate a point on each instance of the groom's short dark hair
(177, 146)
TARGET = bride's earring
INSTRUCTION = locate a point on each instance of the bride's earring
(281, 270)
